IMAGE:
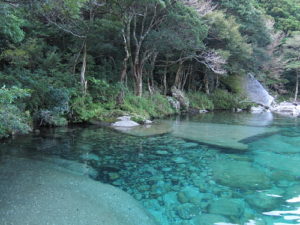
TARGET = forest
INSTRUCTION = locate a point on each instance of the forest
(76, 61)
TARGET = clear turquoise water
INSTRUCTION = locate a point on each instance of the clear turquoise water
(186, 182)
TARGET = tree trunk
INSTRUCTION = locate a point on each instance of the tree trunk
(217, 81)
(206, 84)
(165, 80)
(139, 85)
(124, 68)
(177, 82)
(297, 86)
(83, 81)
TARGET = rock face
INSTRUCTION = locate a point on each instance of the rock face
(35, 193)
(180, 97)
(256, 92)
(287, 109)
(239, 174)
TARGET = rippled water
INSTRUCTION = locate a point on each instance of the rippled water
(187, 182)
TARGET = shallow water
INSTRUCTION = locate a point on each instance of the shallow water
(186, 182)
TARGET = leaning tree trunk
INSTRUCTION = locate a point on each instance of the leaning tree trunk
(83, 81)
(297, 86)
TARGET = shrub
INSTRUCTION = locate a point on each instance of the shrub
(54, 109)
(12, 119)
(146, 107)
(83, 109)
(224, 100)
(234, 83)
(199, 100)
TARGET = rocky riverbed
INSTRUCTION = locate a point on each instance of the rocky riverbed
(183, 182)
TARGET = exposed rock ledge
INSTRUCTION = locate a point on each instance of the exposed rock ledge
(37, 193)
(283, 108)
(287, 109)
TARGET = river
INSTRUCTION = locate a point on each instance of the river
(215, 168)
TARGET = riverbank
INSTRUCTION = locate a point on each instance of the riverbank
(139, 109)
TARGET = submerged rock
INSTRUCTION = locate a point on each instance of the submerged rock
(239, 174)
(221, 135)
(278, 143)
(264, 200)
(209, 219)
(187, 211)
(284, 162)
(226, 207)
(35, 192)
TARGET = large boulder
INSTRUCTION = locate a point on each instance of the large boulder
(37, 193)
(287, 109)
(180, 97)
(174, 103)
(125, 121)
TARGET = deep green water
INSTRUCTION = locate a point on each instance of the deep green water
(186, 182)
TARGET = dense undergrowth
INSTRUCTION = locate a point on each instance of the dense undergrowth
(17, 116)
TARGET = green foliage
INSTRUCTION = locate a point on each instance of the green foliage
(12, 119)
(10, 95)
(104, 92)
(285, 12)
(11, 24)
(42, 48)
(224, 33)
(223, 100)
(182, 31)
(56, 107)
(234, 83)
(147, 107)
(199, 100)
(83, 109)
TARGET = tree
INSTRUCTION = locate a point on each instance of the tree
(75, 18)
(224, 33)
(252, 26)
(292, 56)
(139, 19)
(10, 25)
(285, 12)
